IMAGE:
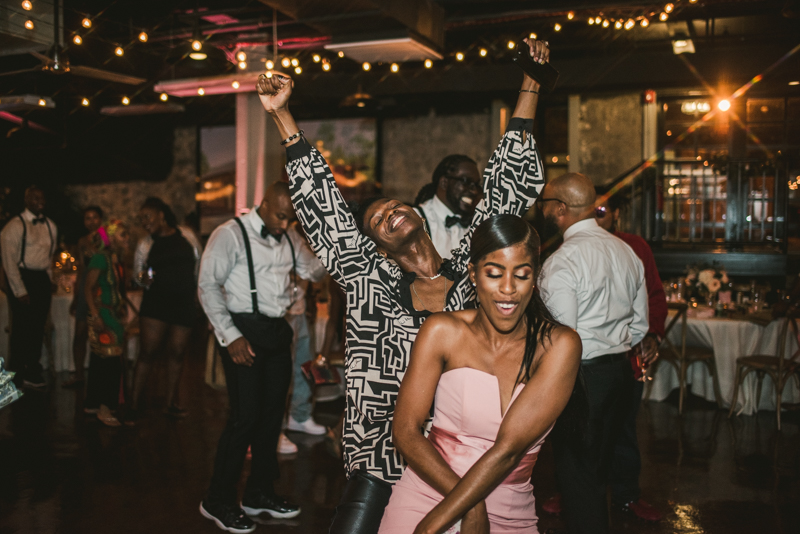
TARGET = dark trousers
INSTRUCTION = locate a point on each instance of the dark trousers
(257, 403)
(583, 462)
(105, 381)
(27, 324)
(627, 462)
(361, 508)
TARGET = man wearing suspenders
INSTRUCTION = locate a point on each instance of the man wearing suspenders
(248, 280)
(28, 243)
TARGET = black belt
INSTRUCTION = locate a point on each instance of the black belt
(606, 359)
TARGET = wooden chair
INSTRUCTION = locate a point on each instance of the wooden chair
(682, 358)
(780, 368)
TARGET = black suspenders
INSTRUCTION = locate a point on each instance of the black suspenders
(25, 239)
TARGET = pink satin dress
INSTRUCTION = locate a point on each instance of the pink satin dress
(467, 416)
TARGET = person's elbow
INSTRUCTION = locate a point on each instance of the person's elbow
(403, 434)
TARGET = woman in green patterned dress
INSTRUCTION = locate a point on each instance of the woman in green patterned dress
(107, 314)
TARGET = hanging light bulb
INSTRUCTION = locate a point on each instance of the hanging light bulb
(42, 102)
(571, 15)
(618, 24)
(483, 52)
(28, 24)
(198, 56)
(606, 23)
(326, 66)
(663, 17)
(125, 100)
(197, 45)
(428, 63)
(242, 65)
(591, 21)
(86, 23)
(366, 66)
(84, 102)
(511, 45)
(235, 84)
(645, 23)
(269, 74)
(557, 27)
(395, 67)
(341, 54)
(298, 70)
(164, 97)
(119, 51)
(77, 40)
(143, 37)
(295, 62)
(724, 105)
(201, 91)
(669, 7)
(270, 65)
(26, 5)
(316, 58)
(459, 56)
(630, 23)
(532, 35)
(286, 62)
(241, 56)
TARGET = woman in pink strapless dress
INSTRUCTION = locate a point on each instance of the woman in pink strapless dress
(498, 377)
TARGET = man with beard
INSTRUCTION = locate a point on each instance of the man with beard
(448, 202)
(593, 283)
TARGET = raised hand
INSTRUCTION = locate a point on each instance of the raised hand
(540, 50)
(274, 91)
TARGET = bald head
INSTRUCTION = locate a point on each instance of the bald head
(574, 188)
(276, 209)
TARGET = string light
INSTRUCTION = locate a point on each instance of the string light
(663, 17)
(26, 5)
(571, 15)
(459, 56)
(618, 24)
(511, 45)
(77, 40)
(119, 51)
(42, 102)
(483, 52)
(630, 23)
(270, 65)
(197, 45)
(28, 24)
(428, 63)
(295, 62)
(395, 67)
(201, 91)
(241, 56)
(269, 74)
(316, 58)
(606, 23)
(597, 20)
(86, 23)
(125, 100)
(669, 7)
(591, 21)
(298, 70)
(242, 65)
(326, 66)
(84, 102)
(692, 1)
(164, 97)
(366, 66)
(532, 35)
(235, 84)
(198, 56)
(286, 62)
(557, 27)
(143, 37)
(645, 23)
(341, 54)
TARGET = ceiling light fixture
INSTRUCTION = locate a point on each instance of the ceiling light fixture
(483, 52)
(794, 82)
(143, 37)
(532, 35)
(42, 102)
(270, 64)
(395, 67)
(286, 62)
(197, 45)
(119, 51)
(663, 17)
(316, 58)
(298, 70)
(681, 44)
(164, 97)
(295, 62)
(618, 24)
(459, 56)
(724, 105)
(511, 45)
(597, 20)
(77, 40)
(644, 23)
(630, 23)
(84, 102)
(557, 27)
(198, 56)
(235, 84)
(241, 56)
(326, 66)
(606, 23)
(125, 100)
(428, 63)
(26, 5)
(242, 65)
(669, 7)
(86, 23)
(591, 21)
(201, 91)
(571, 15)
(28, 24)
(366, 66)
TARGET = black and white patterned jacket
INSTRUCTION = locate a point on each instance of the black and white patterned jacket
(381, 321)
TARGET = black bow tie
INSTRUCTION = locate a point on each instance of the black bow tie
(452, 220)
(39, 220)
(265, 233)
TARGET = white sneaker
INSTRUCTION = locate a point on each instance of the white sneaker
(308, 426)
(285, 446)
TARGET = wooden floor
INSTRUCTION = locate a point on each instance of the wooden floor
(63, 472)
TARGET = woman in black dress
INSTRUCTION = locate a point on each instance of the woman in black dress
(165, 265)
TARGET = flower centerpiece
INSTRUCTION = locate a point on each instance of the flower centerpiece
(704, 281)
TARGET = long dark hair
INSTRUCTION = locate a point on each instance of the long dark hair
(503, 231)
(155, 203)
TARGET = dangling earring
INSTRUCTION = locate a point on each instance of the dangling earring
(383, 254)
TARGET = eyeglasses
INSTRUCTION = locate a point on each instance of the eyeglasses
(467, 183)
(600, 212)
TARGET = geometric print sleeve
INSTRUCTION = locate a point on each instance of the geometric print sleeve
(512, 182)
(324, 216)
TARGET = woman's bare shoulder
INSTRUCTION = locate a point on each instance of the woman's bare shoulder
(448, 322)
(563, 338)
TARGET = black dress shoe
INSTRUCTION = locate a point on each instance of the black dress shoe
(271, 504)
(228, 517)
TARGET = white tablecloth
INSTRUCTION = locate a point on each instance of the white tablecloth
(730, 339)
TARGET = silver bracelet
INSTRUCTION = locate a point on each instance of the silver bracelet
(528, 91)
(292, 137)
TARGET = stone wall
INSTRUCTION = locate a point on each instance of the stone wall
(123, 199)
(412, 147)
(610, 135)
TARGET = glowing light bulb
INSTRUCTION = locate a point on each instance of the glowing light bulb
(29, 24)
(298, 70)
(119, 51)
(86, 23)
(269, 74)
(692, 1)
(361, 104)
(164, 97)
(235, 84)
(630, 23)
(571, 15)
(241, 56)
(26, 5)
(295, 62)
(483, 52)
(459, 56)
(395, 67)
(143, 37)
(242, 65)
(125, 100)
(591, 21)
(77, 40)
(366, 66)
(618, 24)
(645, 23)
(286, 62)
(197, 45)
(270, 64)
(663, 17)
(316, 58)
(428, 63)
(606, 23)
(340, 54)
(557, 27)
(198, 56)
(532, 35)
(511, 45)
(597, 20)
(794, 82)
(42, 102)
(724, 105)
(669, 7)
(201, 91)
(326, 66)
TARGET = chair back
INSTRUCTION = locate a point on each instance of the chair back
(678, 318)
(784, 361)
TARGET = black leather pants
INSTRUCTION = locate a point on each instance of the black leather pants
(361, 508)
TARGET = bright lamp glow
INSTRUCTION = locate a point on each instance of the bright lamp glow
(459, 56)
(143, 37)
(125, 100)
(366, 65)
(119, 51)
(428, 63)
(197, 45)
(724, 105)
(86, 23)
(77, 40)
(164, 97)
(395, 67)
(28, 24)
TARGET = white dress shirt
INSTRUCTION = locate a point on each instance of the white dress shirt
(224, 282)
(40, 245)
(444, 239)
(594, 283)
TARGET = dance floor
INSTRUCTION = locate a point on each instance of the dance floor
(61, 471)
